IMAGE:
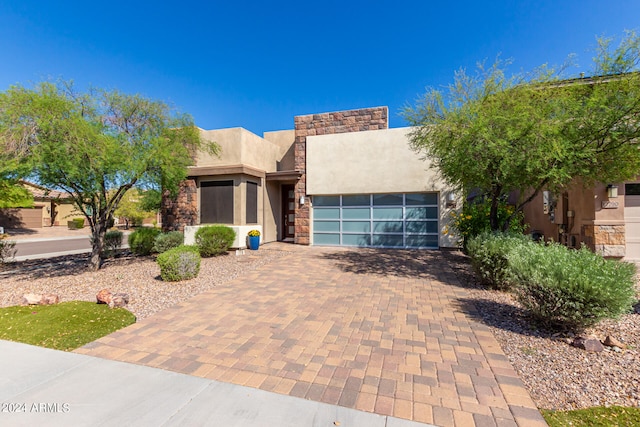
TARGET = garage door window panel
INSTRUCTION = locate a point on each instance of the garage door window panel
(387, 200)
(379, 220)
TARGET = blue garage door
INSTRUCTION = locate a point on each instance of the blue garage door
(376, 220)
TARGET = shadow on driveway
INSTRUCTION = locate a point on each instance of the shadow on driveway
(447, 266)
(508, 317)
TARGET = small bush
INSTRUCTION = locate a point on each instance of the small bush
(141, 241)
(78, 222)
(112, 242)
(473, 220)
(7, 249)
(571, 289)
(180, 263)
(166, 241)
(489, 254)
(214, 240)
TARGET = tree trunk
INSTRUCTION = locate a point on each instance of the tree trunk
(493, 212)
(97, 242)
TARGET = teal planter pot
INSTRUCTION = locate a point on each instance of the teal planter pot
(254, 242)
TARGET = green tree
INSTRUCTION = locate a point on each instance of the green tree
(14, 158)
(131, 208)
(525, 133)
(99, 144)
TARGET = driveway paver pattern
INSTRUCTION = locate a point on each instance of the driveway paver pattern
(376, 330)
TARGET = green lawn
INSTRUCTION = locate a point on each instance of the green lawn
(65, 326)
(594, 417)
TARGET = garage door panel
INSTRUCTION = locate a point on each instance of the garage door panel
(632, 226)
(21, 217)
(378, 220)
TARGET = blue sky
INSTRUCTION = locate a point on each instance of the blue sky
(256, 64)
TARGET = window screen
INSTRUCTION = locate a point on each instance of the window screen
(252, 203)
(216, 202)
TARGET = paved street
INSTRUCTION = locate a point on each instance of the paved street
(48, 242)
(56, 246)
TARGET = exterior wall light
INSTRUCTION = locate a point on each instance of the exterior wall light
(302, 200)
(451, 199)
(612, 191)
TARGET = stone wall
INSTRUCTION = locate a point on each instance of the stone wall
(182, 210)
(606, 240)
(323, 124)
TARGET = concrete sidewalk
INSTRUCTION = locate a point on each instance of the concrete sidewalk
(39, 386)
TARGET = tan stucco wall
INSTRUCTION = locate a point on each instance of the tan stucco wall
(588, 215)
(377, 161)
(283, 139)
(271, 212)
(67, 212)
(239, 146)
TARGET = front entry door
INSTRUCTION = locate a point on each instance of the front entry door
(288, 213)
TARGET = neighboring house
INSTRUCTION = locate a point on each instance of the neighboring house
(340, 178)
(605, 218)
(51, 207)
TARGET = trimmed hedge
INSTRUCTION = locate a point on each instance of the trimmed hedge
(142, 239)
(214, 240)
(166, 241)
(180, 263)
(489, 253)
(568, 289)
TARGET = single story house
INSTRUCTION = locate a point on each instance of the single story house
(50, 207)
(341, 178)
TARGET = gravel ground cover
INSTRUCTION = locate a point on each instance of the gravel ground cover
(137, 276)
(557, 375)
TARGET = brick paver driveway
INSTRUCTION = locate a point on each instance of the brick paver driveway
(376, 330)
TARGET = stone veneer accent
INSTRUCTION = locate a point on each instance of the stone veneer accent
(325, 124)
(606, 240)
(182, 210)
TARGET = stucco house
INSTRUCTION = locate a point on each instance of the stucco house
(605, 218)
(342, 178)
(50, 208)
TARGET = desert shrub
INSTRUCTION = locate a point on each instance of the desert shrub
(473, 219)
(489, 253)
(7, 249)
(78, 222)
(571, 289)
(165, 241)
(214, 240)
(112, 241)
(142, 239)
(180, 263)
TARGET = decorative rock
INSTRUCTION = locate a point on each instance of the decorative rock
(588, 344)
(609, 341)
(636, 308)
(119, 300)
(40, 299)
(31, 299)
(48, 299)
(104, 296)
